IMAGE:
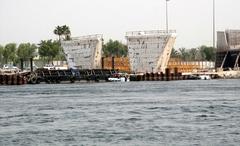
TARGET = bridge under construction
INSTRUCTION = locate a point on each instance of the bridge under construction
(228, 49)
(149, 51)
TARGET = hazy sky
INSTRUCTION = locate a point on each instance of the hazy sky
(35, 20)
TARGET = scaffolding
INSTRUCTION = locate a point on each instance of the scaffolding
(228, 49)
(84, 52)
(233, 38)
(149, 51)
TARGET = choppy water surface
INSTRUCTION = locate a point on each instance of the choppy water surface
(135, 113)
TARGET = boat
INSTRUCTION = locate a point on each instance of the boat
(198, 76)
(119, 77)
(204, 77)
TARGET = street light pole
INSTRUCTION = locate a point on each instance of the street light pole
(214, 24)
(167, 15)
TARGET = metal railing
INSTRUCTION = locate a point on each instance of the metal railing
(150, 32)
(95, 36)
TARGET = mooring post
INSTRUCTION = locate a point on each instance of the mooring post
(158, 76)
(1, 79)
(102, 62)
(167, 72)
(152, 76)
(31, 64)
(113, 59)
(176, 73)
(21, 63)
(162, 76)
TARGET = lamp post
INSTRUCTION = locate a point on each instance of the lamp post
(214, 24)
(167, 15)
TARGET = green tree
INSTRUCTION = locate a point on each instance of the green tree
(66, 32)
(9, 53)
(203, 53)
(184, 54)
(49, 49)
(1, 55)
(192, 54)
(63, 31)
(26, 51)
(114, 48)
(58, 31)
(207, 53)
(175, 54)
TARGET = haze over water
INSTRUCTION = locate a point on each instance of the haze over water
(134, 113)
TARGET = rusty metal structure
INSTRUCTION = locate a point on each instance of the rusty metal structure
(70, 75)
(117, 63)
(190, 66)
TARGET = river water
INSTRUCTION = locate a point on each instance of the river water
(136, 113)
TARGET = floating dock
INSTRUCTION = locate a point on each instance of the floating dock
(71, 76)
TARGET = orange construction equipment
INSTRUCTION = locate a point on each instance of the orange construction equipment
(117, 63)
(183, 66)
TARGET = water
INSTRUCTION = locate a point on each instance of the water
(135, 113)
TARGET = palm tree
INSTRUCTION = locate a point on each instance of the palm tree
(63, 30)
(193, 54)
(184, 54)
(58, 31)
(175, 53)
(66, 32)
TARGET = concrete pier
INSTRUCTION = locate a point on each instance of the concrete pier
(168, 76)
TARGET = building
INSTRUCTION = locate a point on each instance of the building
(84, 52)
(149, 51)
(228, 49)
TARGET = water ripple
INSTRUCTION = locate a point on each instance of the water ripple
(137, 113)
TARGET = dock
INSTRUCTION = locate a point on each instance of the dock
(70, 75)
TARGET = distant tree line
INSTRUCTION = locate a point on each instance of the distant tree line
(202, 53)
(48, 50)
(13, 53)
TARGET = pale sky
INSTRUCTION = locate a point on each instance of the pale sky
(35, 20)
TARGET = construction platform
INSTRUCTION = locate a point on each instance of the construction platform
(71, 76)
